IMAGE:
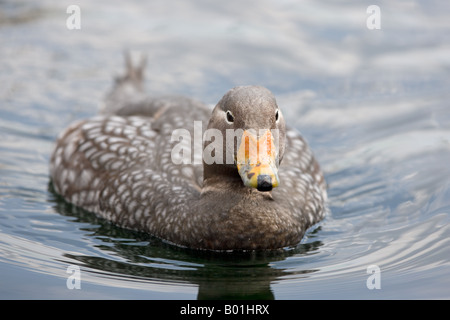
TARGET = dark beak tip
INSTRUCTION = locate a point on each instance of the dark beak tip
(264, 189)
(264, 183)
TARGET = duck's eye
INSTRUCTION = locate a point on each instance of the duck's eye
(277, 116)
(230, 117)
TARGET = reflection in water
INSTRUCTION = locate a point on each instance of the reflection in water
(136, 256)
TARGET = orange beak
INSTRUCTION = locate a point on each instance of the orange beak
(257, 161)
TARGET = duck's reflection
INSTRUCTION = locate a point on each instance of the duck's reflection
(237, 275)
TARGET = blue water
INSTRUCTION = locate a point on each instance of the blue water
(373, 105)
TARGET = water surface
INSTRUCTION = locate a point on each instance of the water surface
(373, 104)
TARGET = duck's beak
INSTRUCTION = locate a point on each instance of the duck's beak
(257, 161)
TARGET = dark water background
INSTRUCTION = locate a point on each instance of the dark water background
(372, 103)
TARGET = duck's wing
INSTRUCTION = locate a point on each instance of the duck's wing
(302, 184)
(112, 165)
(89, 152)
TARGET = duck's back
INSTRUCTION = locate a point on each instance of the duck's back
(120, 165)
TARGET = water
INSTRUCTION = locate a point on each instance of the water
(372, 103)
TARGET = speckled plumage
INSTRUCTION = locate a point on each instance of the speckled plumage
(118, 165)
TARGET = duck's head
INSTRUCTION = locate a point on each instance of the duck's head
(252, 129)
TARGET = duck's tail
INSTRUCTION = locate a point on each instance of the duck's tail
(134, 74)
(127, 88)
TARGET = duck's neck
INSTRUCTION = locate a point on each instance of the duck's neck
(225, 180)
(216, 176)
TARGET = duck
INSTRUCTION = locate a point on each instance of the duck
(136, 165)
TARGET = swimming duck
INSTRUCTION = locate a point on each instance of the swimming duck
(261, 189)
